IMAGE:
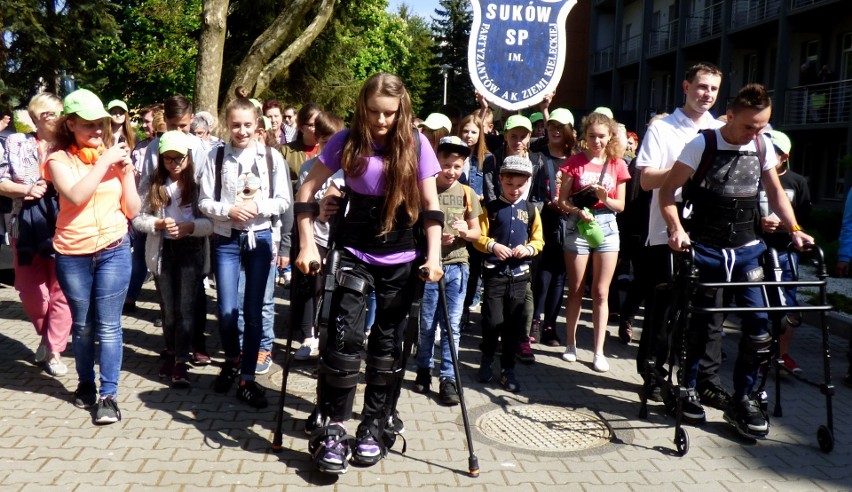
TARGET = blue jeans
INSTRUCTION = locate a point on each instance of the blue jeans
(712, 264)
(268, 336)
(233, 254)
(96, 286)
(431, 313)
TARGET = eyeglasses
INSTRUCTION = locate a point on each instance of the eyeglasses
(288, 116)
(48, 115)
(310, 125)
(174, 160)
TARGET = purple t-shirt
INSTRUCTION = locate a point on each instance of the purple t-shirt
(372, 182)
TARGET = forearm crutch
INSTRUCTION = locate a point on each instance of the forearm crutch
(278, 436)
(472, 460)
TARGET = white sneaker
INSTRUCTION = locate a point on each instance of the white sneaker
(41, 353)
(308, 350)
(570, 354)
(55, 367)
(600, 364)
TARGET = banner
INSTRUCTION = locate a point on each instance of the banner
(517, 48)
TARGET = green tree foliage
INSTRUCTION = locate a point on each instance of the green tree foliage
(416, 69)
(451, 29)
(46, 38)
(362, 39)
(153, 55)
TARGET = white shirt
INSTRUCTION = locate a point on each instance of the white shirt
(180, 213)
(660, 149)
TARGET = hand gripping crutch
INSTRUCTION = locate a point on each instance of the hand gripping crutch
(472, 460)
(278, 436)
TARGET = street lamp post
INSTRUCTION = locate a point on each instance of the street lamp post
(445, 69)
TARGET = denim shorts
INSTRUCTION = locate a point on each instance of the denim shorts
(577, 244)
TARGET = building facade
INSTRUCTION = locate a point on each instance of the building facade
(801, 50)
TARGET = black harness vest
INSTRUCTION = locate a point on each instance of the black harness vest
(362, 227)
(723, 192)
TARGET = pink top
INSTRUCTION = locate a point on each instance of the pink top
(586, 173)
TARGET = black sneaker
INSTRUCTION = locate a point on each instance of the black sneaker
(251, 393)
(226, 377)
(86, 395)
(108, 412)
(330, 450)
(745, 415)
(448, 393)
(655, 392)
(508, 381)
(485, 373)
(715, 397)
(693, 412)
(423, 380)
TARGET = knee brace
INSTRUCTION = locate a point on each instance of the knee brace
(347, 280)
(340, 370)
(383, 370)
(755, 349)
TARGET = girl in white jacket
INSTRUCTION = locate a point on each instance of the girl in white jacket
(177, 250)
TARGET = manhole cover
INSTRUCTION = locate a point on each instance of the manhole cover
(298, 382)
(540, 427)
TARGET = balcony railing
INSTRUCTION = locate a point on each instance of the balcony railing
(630, 50)
(704, 23)
(830, 102)
(747, 12)
(664, 38)
(800, 4)
(603, 60)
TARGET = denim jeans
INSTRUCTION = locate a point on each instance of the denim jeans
(95, 286)
(712, 264)
(233, 254)
(181, 263)
(268, 336)
(432, 313)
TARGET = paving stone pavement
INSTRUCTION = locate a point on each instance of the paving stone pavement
(193, 439)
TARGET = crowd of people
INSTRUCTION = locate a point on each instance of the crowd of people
(518, 222)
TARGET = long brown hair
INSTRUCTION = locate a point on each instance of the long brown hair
(480, 149)
(159, 197)
(400, 163)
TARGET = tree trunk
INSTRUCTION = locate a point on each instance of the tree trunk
(211, 47)
(256, 71)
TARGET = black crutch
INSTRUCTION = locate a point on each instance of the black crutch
(472, 460)
(278, 436)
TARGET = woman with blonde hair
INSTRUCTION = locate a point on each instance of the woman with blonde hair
(22, 177)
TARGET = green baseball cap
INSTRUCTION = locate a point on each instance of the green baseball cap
(604, 111)
(562, 116)
(267, 123)
(437, 120)
(85, 104)
(517, 120)
(117, 103)
(256, 104)
(174, 140)
(536, 117)
(780, 140)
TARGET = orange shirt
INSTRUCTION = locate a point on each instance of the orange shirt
(94, 224)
